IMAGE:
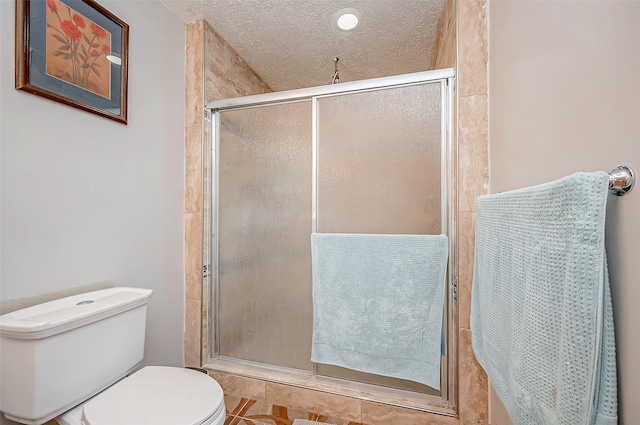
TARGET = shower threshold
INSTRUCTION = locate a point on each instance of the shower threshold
(358, 390)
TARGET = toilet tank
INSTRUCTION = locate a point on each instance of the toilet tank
(56, 355)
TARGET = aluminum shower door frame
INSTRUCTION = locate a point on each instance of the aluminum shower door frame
(446, 403)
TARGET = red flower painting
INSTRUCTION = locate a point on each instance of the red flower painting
(77, 49)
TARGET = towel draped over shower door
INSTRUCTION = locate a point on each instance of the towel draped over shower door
(378, 303)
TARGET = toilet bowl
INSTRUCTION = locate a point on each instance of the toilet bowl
(72, 360)
(154, 395)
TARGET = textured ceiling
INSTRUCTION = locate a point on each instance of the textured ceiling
(291, 43)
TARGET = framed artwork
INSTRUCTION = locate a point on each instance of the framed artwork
(74, 52)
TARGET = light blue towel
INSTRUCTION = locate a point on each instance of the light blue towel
(378, 303)
(541, 315)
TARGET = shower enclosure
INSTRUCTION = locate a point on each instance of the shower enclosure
(373, 156)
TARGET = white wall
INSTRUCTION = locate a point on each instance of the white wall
(564, 91)
(86, 199)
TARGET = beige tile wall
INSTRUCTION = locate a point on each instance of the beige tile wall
(473, 179)
(497, 412)
(214, 68)
(194, 75)
(444, 55)
(214, 71)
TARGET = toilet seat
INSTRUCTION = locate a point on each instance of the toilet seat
(157, 395)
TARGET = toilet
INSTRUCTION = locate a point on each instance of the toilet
(76, 360)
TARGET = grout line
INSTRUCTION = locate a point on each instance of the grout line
(238, 408)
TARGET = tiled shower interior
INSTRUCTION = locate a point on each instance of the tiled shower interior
(215, 72)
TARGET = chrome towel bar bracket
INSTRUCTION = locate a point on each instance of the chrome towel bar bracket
(621, 180)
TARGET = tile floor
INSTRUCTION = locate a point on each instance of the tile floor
(245, 411)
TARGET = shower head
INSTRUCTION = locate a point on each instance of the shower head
(336, 75)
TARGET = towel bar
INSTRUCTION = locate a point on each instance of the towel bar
(621, 180)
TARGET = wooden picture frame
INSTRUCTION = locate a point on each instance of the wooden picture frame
(74, 52)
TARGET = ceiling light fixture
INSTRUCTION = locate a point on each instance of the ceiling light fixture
(346, 19)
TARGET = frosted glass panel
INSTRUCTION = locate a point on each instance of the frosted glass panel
(264, 219)
(379, 161)
(379, 168)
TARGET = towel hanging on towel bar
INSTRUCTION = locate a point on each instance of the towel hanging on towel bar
(541, 313)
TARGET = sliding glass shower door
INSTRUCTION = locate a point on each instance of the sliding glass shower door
(367, 160)
(379, 171)
(264, 222)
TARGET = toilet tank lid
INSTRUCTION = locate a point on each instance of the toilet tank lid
(53, 317)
